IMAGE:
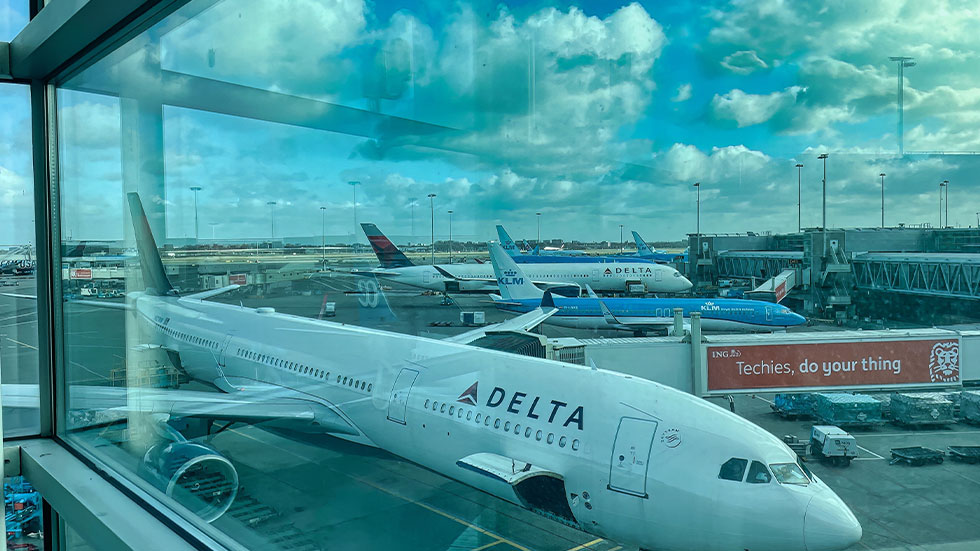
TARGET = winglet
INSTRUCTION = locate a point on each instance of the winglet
(607, 314)
(547, 301)
(154, 276)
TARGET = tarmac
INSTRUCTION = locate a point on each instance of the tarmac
(342, 496)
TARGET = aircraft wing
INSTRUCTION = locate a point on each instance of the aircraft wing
(277, 406)
(212, 293)
(95, 303)
(612, 319)
(523, 322)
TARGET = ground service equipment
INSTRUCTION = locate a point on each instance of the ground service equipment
(833, 444)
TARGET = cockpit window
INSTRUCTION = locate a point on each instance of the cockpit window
(789, 473)
(758, 474)
(806, 470)
(733, 469)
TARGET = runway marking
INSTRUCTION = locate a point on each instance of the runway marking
(22, 343)
(487, 546)
(617, 548)
(586, 545)
(764, 400)
(399, 496)
(875, 458)
(19, 323)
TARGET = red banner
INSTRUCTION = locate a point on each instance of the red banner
(830, 364)
(80, 273)
(237, 279)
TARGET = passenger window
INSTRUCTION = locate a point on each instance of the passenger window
(758, 474)
(733, 469)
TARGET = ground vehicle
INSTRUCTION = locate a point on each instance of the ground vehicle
(834, 444)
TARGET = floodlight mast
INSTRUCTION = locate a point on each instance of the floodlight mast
(903, 62)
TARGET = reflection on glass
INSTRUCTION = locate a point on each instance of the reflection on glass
(278, 287)
(18, 308)
(25, 529)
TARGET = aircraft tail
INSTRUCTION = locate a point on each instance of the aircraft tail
(506, 242)
(642, 249)
(154, 276)
(387, 252)
(511, 280)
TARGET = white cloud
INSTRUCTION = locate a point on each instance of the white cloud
(749, 109)
(743, 62)
(683, 93)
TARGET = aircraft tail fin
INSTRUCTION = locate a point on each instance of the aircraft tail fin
(388, 254)
(506, 242)
(511, 280)
(154, 276)
(547, 301)
(642, 249)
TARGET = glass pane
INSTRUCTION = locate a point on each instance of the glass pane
(18, 307)
(14, 16)
(266, 329)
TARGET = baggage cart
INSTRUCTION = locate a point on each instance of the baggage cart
(964, 454)
(916, 456)
(847, 410)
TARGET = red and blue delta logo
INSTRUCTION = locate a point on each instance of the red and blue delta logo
(608, 271)
(469, 395)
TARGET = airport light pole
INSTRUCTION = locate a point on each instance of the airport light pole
(941, 186)
(903, 63)
(450, 236)
(882, 199)
(197, 234)
(213, 224)
(621, 248)
(413, 200)
(799, 197)
(538, 242)
(823, 156)
(354, 184)
(946, 185)
(697, 253)
(432, 227)
(323, 235)
(272, 219)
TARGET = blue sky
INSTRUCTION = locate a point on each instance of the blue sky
(594, 113)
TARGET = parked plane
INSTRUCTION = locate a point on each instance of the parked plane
(564, 275)
(511, 247)
(619, 457)
(645, 251)
(518, 295)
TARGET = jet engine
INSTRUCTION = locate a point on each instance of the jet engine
(192, 474)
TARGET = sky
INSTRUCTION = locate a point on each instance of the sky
(594, 114)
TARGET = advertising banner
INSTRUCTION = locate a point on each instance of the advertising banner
(834, 364)
(80, 273)
(237, 279)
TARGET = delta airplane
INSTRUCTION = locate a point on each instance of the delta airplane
(518, 295)
(562, 275)
(615, 456)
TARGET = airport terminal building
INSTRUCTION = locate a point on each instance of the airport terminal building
(535, 276)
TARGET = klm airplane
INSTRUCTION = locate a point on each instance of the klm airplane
(518, 295)
(645, 251)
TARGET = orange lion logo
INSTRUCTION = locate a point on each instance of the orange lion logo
(944, 362)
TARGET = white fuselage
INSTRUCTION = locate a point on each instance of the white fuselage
(639, 461)
(602, 277)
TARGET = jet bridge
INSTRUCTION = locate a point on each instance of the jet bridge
(776, 288)
(947, 275)
(756, 264)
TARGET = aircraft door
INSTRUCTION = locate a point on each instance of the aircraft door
(768, 313)
(631, 455)
(595, 275)
(659, 275)
(398, 401)
(425, 276)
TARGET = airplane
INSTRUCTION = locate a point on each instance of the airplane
(618, 457)
(645, 251)
(518, 295)
(511, 247)
(563, 275)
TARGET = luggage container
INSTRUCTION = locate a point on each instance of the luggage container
(843, 409)
(472, 318)
(921, 409)
(793, 406)
(886, 404)
(965, 454)
(970, 406)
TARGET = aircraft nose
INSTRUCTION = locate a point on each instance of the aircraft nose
(796, 319)
(683, 284)
(829, 525)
